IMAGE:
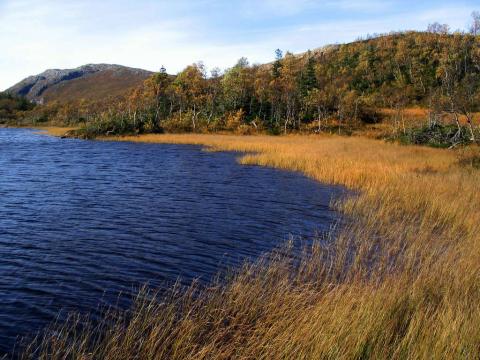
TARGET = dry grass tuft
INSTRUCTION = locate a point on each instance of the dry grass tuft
(58, 131)
(400, 281)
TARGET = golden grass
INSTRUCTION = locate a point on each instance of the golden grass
(54, 130)
(400, 280)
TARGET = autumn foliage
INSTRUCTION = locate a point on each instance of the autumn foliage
(340, 87)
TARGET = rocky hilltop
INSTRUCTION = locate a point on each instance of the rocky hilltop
(91, 81)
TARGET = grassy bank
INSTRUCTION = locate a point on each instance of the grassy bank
(400, 281)
(54, 130)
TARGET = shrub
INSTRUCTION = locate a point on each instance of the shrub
(234, 119)
(437, 135)
(106, 126)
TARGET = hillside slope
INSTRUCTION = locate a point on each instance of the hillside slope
(89, 82)
(335, 88)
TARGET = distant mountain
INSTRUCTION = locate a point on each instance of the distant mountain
(90, 82)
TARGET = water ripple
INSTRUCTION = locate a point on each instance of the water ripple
(81, 221)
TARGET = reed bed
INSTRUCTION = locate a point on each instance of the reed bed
(400, 279)
(58, 131)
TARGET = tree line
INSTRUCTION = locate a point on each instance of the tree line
(339, 85)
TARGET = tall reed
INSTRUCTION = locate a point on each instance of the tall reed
(400, 279)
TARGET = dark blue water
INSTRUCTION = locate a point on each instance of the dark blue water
(82, 221)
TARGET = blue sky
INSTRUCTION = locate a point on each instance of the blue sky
(40, 34)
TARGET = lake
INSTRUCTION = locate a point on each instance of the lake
(84, 224)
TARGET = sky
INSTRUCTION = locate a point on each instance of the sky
(36, 35)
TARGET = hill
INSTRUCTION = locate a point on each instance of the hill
(341, 86)
(89, 82)
(338, 88)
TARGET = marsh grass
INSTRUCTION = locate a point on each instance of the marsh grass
(400, 281)
(469, 157)
(58, 131)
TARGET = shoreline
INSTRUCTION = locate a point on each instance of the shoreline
(408, 261)
(261, 149)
